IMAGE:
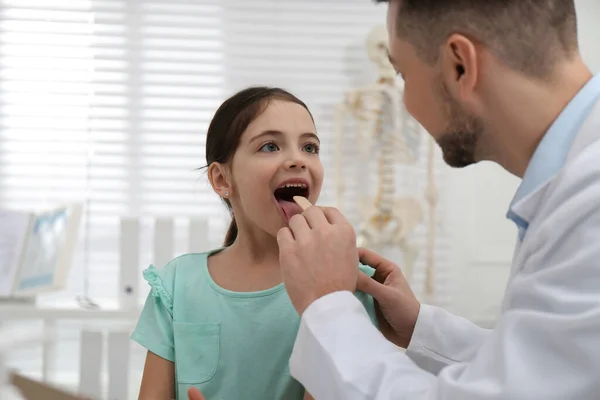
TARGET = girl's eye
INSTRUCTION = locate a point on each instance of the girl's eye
(269, 147)
(311, 148)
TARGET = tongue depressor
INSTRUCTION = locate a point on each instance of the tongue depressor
(302, 202)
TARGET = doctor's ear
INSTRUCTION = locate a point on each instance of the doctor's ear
(220, 179)
(460, 65)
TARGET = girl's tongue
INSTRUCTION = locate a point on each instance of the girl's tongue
(289, 208)
(285, 198)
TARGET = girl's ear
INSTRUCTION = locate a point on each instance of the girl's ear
(218, 175)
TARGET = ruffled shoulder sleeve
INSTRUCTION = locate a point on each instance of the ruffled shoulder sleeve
(161, 283)
(154, 330)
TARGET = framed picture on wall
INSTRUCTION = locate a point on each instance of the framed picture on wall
(39, 248)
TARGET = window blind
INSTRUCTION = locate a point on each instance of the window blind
(107, 102)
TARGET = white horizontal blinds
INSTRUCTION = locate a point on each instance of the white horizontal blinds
(46, 92)
(177, 50)
(115, 133)
(109, 101)
(46, 69)
(316, 49)
(181, 85)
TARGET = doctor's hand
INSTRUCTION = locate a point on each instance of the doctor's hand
(396, 306)
(318, 255)
(194, 394)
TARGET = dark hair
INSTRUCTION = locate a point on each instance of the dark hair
(530, 36)
(229, 123)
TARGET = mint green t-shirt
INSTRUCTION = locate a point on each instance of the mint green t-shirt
(230, 345)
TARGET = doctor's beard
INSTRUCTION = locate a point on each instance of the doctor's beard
(460, 139)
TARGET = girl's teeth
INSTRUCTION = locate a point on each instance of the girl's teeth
(294, 185)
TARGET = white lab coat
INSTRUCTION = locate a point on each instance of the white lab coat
(546, 344)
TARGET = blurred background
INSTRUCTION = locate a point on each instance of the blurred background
(106, 102)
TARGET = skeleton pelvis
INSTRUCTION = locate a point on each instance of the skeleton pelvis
(392, 226)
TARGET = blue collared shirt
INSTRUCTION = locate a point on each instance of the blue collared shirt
(550, 155)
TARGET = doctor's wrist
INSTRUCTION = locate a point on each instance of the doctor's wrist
(327, 301)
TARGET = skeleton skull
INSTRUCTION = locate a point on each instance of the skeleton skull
(378, 51)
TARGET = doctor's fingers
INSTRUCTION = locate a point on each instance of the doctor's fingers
(315, 217)
(285, 240)
(383, 267)
(335, 216)
(370, 286)
(194, 394)
(299, 226)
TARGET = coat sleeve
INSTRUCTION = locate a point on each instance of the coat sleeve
(441, 339)
(545, 346)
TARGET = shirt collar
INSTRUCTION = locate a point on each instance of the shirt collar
(550, 155)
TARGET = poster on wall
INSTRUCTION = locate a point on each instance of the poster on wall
(37, 249)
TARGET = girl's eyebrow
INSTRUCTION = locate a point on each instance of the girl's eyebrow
(312, 136)
(279, 133)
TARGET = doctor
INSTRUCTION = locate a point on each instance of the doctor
(490, 80)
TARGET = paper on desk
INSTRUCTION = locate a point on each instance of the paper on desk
(35, 390)
(13, 231)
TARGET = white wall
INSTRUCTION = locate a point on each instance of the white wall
(588, 12)
(483, 239)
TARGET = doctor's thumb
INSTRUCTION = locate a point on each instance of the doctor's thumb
(194, 394)
(369, 285)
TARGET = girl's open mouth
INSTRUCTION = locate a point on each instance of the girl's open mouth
(284, 195)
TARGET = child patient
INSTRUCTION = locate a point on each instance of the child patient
(221, 321)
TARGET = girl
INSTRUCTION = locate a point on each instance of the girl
(221, 321)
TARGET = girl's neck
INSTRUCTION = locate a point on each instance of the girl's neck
(250, 264)
(258, 248)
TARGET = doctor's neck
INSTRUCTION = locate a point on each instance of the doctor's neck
(526, 108)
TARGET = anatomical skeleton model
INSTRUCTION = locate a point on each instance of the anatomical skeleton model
(387, 220)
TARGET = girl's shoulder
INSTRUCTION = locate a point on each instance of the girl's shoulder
(163, 281)
(365, 298)
(181, 265)
(366, 269)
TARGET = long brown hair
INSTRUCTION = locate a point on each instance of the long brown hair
(229, 123)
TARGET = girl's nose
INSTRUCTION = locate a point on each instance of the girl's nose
(295, 163)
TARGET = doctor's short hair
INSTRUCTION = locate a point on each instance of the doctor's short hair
(530, 36)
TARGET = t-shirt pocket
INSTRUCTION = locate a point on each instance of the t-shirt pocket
(197, 350)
